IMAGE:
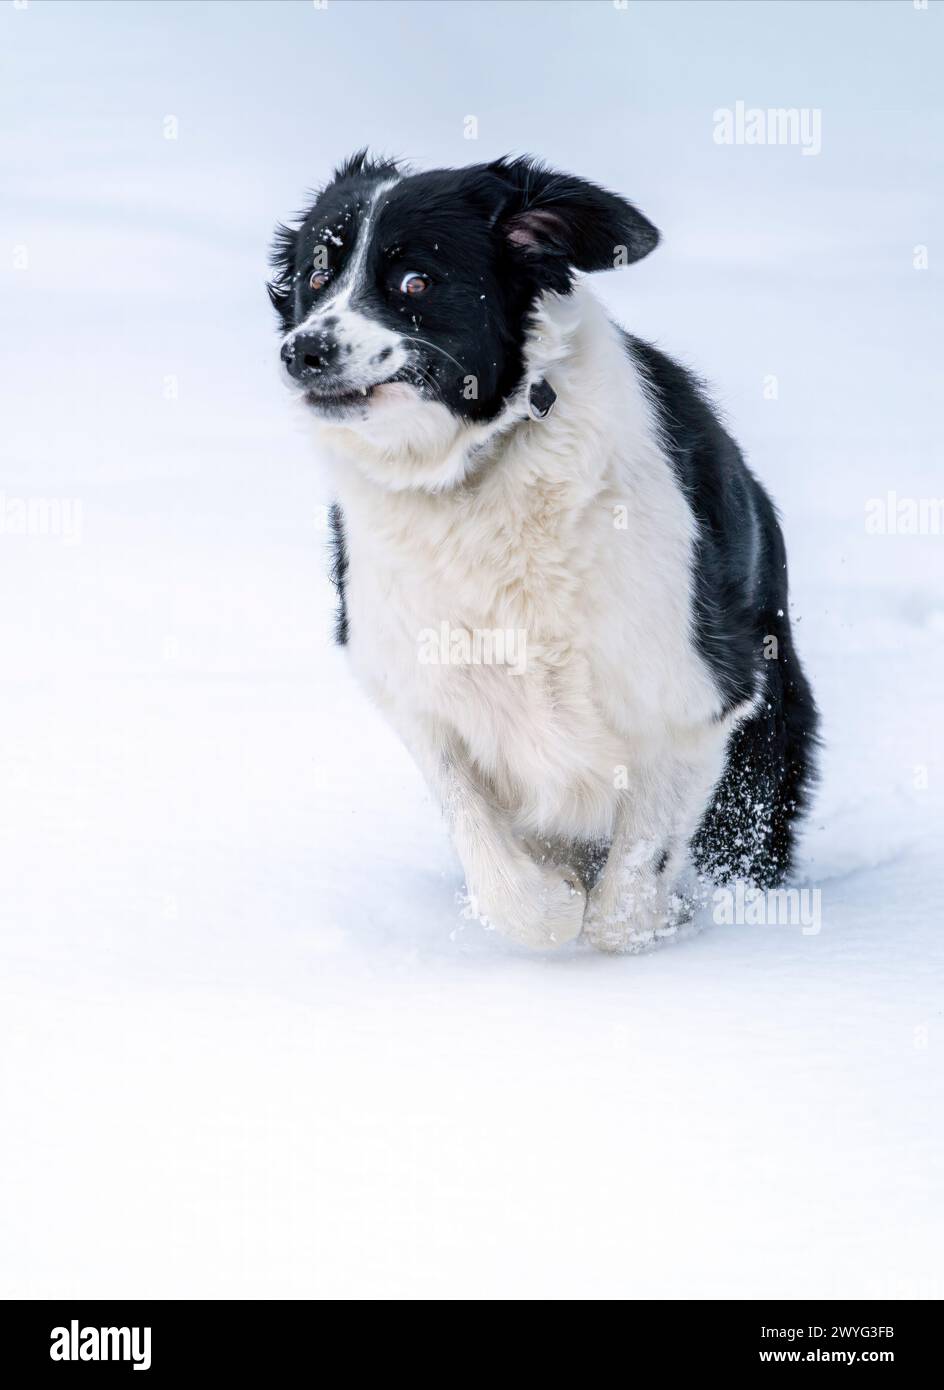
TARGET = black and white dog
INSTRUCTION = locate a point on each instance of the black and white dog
(518, 477)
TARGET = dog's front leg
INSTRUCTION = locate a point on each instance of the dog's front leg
(633, 902)
(539, 905)
(629, 903)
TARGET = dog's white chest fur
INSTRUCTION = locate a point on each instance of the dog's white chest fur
(540, 610)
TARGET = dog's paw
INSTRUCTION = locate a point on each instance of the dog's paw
(544, 910)
(618, 932)
(630, 920)
(562, 903)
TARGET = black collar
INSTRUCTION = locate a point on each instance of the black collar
(541, 400)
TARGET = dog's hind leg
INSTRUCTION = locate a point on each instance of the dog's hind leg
(749, 828)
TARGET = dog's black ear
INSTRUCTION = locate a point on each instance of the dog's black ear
(560, 223)
(282, 260)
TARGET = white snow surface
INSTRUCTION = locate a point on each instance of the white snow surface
(248, 1045)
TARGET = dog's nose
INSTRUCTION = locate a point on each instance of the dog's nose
(307, 355)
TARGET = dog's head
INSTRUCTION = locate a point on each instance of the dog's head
(401, 293)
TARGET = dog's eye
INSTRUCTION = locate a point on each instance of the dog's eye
(414, 283)
(319, 279)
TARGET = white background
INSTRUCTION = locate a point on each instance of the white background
(248, 1046)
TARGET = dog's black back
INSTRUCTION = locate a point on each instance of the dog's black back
(743, 631)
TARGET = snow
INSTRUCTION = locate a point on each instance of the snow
(250, 1046)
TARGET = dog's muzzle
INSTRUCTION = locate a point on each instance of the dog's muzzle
(308, 356)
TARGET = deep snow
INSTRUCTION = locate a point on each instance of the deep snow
(248, 1044)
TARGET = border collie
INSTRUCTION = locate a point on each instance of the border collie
(513, 470)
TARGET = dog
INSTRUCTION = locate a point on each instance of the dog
(510, 464)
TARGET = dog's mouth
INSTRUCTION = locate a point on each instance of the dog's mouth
(342, 401)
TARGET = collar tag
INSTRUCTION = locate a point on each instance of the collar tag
(541, 400)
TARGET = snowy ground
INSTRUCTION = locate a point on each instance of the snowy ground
(248, 1046)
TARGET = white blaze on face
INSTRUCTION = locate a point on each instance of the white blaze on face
(368, 352)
